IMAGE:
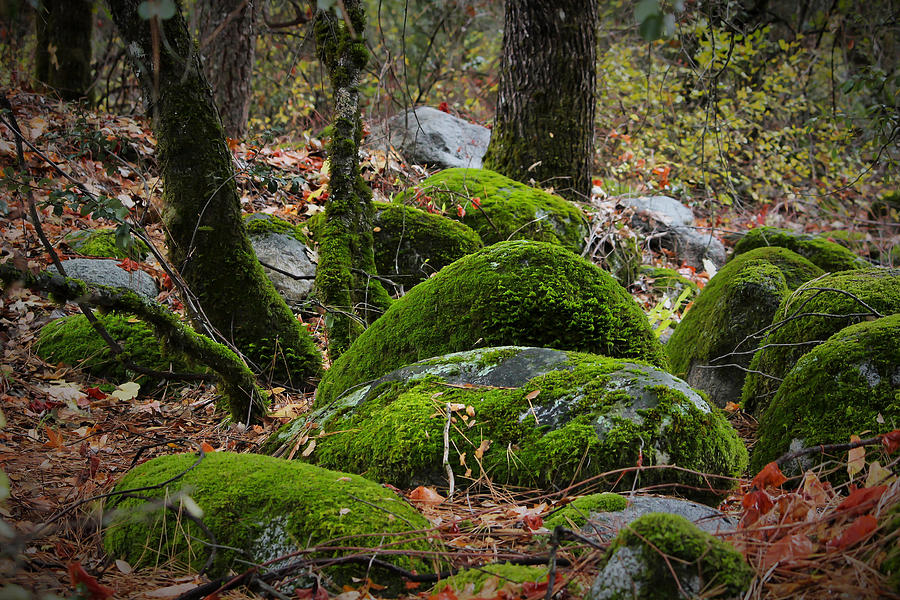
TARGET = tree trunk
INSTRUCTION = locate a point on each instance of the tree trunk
(63, 52)
(228, 43)
(344, 276)
(206, 236)
(544, 127)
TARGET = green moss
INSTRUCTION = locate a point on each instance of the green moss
(575, 514)
(828, 255)
(847, 385)
(890, 566)
(102, 243)
(472, 581)
(259, 224)
(739, 301)
(512, 293)
(811, 315)
(700, 561)
(592, 415)
(259, 508)
(73, 340)
(509, 209)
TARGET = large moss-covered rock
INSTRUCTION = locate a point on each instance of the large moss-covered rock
(849, 384)
(520, 292)
(259, 508)
(509, 209)
(411, 244)
(812, 314)
(74, 341)
(639, 565)
(102, 243)
(828, 255)
(739, 301)
(538, 417)
(283, 246)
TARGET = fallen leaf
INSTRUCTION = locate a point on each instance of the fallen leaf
(769, 476)
(788, 549)
(532, 395)
(860, 498)
(80, 577)
(206, 447)
(856, 458)
(126, 391)
(309, 449)
(123, 566)
(171, 591)
(482, 448)
(857, 530)
(891, 441)
(878, 474)
(425, 495)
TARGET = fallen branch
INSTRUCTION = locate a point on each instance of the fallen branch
(246, 400)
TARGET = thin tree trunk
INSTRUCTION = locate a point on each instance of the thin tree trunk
(345, 278)
(228, 43)
(206, 236)
(63, 52)
(544, 127)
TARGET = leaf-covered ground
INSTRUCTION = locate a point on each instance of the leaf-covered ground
(68, 437)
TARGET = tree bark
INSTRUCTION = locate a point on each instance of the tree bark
(544, 126)
(228, 46)
(63, 52)
(344, 276)
(206, 237)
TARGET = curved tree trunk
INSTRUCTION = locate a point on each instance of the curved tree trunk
(544, 127)
(63, 52)
(228, 46)
(206, 235)
(344, 276)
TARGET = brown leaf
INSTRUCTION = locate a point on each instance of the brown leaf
(425, 495)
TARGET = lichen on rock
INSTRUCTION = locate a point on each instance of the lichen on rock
(509, 209)
(645, 558)
(260, 508)
(713, 345)
(847, 385)
(809, 316)
(827, 255)
(519, 292)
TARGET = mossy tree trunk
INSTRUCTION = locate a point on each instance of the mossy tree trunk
(206, 236)
(63, 50)
(344, 276)
(228, 39)
(544, 126)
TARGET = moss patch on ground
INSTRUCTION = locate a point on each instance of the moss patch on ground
(260, 508)
(827, 255)
(509, 209)
(634, 565)
(74, 341)
(848, 385)
(486, 581)
(102, 243)
(513, 293)
(575, 514)
(812, 314)
(591, 414)
(739, 301)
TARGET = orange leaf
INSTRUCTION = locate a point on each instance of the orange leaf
(858, 530)
(856, 458)
(126, 264)
(81, 577)
(95, 393)
(861, 498)
(533, 522)
(891, 441)
(770, 475)
(206, 447)
(788, 549)
(532, 395)
(460, 211)
(54, 438)
(425, 495)
(446, 594)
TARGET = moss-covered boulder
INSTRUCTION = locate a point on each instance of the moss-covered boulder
(812, 314)
(848, 385)
(102, 243)
(487, 581)
(712, 346)
(412, 244)
(521, 292)
(829, 256)
(525, 416)
(73, 340)
(576, 513)
(283, 250)
(509, 209)
(259, 508)
(639, 564)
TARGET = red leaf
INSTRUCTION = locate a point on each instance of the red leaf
(445, 594)
(444, 107)
(95, 393)
(207, 447)
(533, 521)
(460, 211)
(770, 475)
(128, 265)
(859, 529)
(891, 441)
(862, 497)
(81, 577)
(476, 202)
(788, 549)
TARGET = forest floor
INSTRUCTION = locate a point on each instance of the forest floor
(65, 443)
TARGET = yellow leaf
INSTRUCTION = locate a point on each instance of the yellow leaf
(879, 475)
(482, 448)
(127, 391)
(309, 449)
(856, 458)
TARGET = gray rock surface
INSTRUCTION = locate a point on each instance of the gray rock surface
(429, 136)
(604, 526)
(672, 225)
(286, 253)
(101, 271)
